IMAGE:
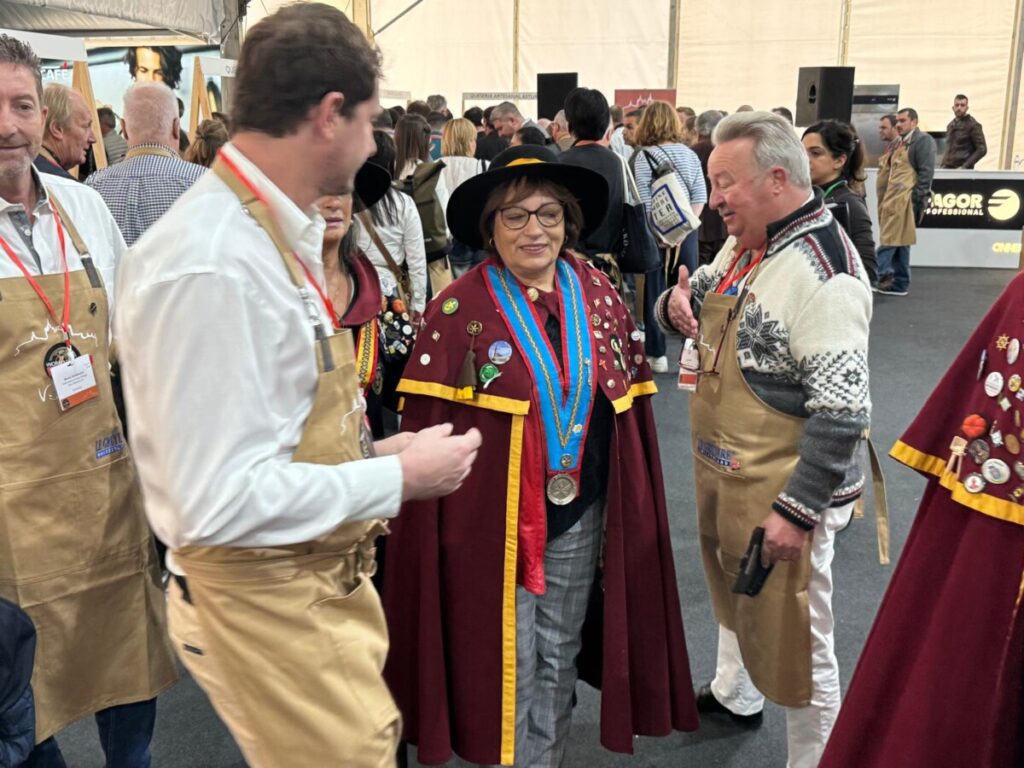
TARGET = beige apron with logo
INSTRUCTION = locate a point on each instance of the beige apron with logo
(744, 452)
(896, 180)
(298, 631)
(75, 551)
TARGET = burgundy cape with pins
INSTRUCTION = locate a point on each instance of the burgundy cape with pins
(453, 563)
(939, 680)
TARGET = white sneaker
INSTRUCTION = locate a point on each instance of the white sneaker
(658, 364)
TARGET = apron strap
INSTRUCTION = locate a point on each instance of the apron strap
(83, 250)
(261, 213)
(881, 502)
(152, 151)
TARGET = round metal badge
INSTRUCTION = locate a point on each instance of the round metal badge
(974, 483)
(995, 471)
(500, 352)
(979, 451)
(561, 489)
(59, 354)
(994, 384)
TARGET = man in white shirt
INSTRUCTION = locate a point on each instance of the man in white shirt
(247, 421)
(75, 551)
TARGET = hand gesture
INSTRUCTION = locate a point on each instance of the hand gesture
(680, 313)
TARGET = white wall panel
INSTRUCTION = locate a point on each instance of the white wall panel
(750, 51)
(935, 50)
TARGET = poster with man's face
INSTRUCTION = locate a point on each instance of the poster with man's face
(113, 70)
(161, 63)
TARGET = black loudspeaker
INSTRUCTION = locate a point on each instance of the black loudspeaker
(824, 93)
(552, 90)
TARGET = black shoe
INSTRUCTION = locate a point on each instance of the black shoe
(707, 704)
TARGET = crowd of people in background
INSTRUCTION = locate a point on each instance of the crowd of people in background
(445, 218)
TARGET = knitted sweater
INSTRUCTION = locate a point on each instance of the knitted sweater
(803, 348)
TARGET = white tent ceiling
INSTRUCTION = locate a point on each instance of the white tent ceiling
(116, 22)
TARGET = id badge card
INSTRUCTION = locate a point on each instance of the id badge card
(74, 382)
(689, 365)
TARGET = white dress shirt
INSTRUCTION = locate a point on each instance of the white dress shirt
(217, 353)
(404, 240)
(37, 245)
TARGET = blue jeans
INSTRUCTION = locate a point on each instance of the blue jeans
(125, 733)
(895, 260)
(654, 286)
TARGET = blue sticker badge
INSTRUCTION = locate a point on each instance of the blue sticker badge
(111, 444)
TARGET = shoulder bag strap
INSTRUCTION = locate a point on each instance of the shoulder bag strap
(393, 267)
(647, 157)
(629, 181)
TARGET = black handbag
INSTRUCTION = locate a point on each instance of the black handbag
(637, 250)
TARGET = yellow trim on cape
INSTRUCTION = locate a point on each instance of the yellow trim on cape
(366, 353)
(1001, 509)
(508, 599)
(639, 389)
(479, 400)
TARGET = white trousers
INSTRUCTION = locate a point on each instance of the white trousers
(807, 728)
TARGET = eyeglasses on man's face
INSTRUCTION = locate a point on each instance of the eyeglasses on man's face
(517, 217)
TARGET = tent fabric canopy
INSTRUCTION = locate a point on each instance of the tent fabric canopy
(198, 19)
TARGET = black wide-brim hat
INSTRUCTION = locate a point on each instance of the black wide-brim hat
(529, 161)
(372, 183)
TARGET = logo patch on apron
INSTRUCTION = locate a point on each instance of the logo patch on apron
(719, 456)
(110, 444)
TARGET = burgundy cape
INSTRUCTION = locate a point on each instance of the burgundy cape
(939, 680)
(453, 563)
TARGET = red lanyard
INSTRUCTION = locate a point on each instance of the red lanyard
(65, 321)
(328, 304)
(730, 278)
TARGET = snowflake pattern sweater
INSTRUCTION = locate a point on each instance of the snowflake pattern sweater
(803, 348)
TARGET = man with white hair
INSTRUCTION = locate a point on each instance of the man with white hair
(780, 319)
(152, 176)
(559, 131)
(67, 133)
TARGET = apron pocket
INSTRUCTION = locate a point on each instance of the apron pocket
(358, 632)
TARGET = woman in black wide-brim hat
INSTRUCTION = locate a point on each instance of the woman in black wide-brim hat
(554, 555)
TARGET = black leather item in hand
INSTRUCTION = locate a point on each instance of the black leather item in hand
(753, 572)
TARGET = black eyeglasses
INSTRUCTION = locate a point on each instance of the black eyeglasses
(548, 215)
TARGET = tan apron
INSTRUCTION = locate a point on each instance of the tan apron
(298, 631)
(75, 550)
(896, 180)
(744, 452)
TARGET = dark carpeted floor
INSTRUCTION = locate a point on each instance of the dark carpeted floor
(913, 340)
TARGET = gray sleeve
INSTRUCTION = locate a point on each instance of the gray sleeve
(924, 164)
(829, 341)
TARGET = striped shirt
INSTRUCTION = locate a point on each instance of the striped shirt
(140, 189)
(687, 166)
